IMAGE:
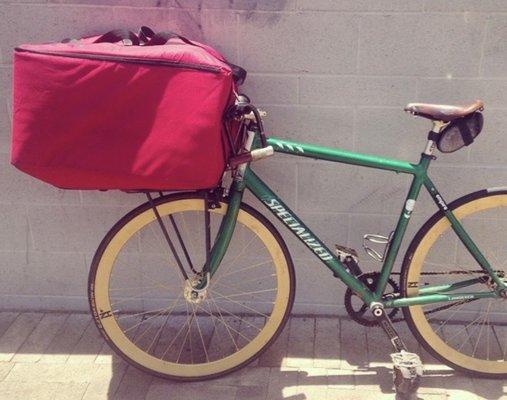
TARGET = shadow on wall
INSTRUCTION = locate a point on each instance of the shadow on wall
(192, 25)
(63, 354)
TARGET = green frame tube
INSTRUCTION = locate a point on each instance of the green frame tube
(248, 179)
(435, 289)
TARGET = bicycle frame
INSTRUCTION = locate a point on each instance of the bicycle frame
(429, 294)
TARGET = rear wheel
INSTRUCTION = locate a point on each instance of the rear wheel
(144, 310)
(468, 335)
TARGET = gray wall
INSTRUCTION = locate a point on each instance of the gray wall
(332, 72)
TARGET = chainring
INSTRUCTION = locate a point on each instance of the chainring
(359, 311)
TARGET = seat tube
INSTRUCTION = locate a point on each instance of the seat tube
(401, 227)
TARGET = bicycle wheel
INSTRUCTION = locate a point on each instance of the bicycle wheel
(140, 305)
(468, 335)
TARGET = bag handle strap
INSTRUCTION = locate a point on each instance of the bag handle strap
(118, 35)
(145, 34)
(238, 73)
(160, 38)
(148, 37)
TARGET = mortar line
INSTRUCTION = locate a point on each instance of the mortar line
(288, 12)
(483, 45)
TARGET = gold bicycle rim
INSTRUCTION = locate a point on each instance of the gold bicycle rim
(134, 353)
(417, 313)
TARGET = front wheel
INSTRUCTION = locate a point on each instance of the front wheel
(468, 335)
(144, 309)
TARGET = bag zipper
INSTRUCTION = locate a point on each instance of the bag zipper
(128, 60)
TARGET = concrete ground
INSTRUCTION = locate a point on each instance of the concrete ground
(62, 356)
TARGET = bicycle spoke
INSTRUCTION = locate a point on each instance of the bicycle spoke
(177, 334)
(251, 292)
(170, 327)
(157, 336)
(218, 347)
(156, 286)
(466, 326)
(229, 286)
(202, 339)
(482, 327)
(184, 341)
(241, 304)
(249, 327)
(138, 287)
(137, 297)
(169, 309)
(187, 335)
(140, 313)
(241, 269)
(505, 345)
(452, 315)
(241, 320)
(226, 325)
(236, 258)
(455, 331)
(256, 279)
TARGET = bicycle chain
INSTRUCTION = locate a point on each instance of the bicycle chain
(358, 315)
(501, 274)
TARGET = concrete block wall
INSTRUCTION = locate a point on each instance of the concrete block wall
(332, 72)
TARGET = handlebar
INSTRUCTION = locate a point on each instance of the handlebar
(254, 155)
(251, 116)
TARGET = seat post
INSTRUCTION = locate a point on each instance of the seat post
(435, 130)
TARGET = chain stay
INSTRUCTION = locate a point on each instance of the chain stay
(358, 315)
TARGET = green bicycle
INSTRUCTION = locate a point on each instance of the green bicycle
(195, 285)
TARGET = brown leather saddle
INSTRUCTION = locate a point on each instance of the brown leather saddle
(441, 112)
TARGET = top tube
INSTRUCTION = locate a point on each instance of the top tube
(342, 156)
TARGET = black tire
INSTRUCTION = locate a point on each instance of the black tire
(407, 262)
(158, 202)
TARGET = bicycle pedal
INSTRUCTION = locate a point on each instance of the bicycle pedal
(407, 372)
(343, 252)
(349, 258)
(378, 240)
(409, 363)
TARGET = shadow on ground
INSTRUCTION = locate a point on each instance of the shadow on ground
(62, 356)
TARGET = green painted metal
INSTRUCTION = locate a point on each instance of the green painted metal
(340, 156)
(401, 226)
(437, 298)
(303, 233)
(463, 235)
(227, 226)
(430, 294)
(434, 289)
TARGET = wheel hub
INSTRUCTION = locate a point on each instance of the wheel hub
(191, 292)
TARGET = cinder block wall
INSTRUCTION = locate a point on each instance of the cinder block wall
(333, 72)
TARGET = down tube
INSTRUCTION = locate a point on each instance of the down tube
(303, 233)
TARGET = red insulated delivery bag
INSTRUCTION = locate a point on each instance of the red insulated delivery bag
(114, 112)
